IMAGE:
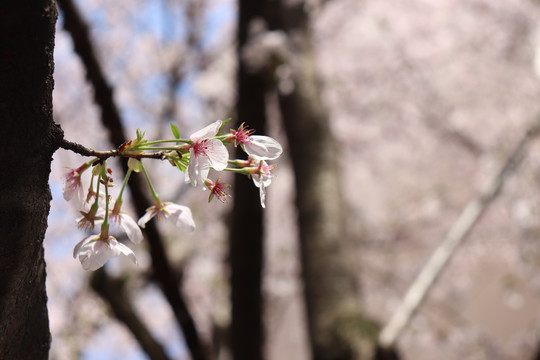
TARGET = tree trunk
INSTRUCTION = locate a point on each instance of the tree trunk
(246, 238)
(336, 324)
(29, 139)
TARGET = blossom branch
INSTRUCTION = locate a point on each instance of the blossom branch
(82, 150)
(455, 236)
(163, 270)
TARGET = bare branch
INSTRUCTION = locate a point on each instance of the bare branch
(455, 236)
(112, 291)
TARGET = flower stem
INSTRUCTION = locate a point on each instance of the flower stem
(97, 191)
(105, 178)
(171, 148)
(234, 170)
(154, 194)
(119, 198)
(167, 141)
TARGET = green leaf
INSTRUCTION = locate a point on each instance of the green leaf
(223, 124)
(140, 135)
(182, 163)
(175, 131)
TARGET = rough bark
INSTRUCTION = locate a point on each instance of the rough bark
(337, 327)
(29, 138)
(246, 237)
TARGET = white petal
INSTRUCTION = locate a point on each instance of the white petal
(192, 169)
(264, 180)
(81, 243)
(173, 208)
(256, 180)
(131, 228)
(92, 262)
(150, 213)
(207, 132)
(262, 193)
(263, 147)
(80, 194)
(184, 220)
(198, 169)
(124, 250)
(68, 190)
(217, 154)
(96, 255)
(181, 216)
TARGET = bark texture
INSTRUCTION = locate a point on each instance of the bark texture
(29, 138)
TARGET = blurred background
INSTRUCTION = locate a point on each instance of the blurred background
(393, 116)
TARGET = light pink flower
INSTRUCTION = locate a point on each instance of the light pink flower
(93, 251)
(262, 178)
(205, 152)
(129, 225)
(91, 217)
(261, 147)
(180, 215)
(217, 189)
(73, 184)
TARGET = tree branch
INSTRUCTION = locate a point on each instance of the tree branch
(455, 236)
(112, 291)
(82, 150)
(164, 273)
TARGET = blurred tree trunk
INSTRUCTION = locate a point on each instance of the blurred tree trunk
(246, 237)
(337, 327)
(29, 139)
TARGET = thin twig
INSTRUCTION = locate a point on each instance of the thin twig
(82, 150)
(455, 236)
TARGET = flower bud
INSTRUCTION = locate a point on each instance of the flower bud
(134, 164)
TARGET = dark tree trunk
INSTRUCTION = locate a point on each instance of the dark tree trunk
(29, 138)
(246, 238)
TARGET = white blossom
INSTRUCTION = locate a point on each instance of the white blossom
(206, 152)
(180, 215)
(93, 251)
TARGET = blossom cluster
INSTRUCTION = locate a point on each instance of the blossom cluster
(195, 156)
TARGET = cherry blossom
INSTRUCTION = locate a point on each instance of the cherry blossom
(206, 152)
(94, 251)
(73, 184)
(217, 189)
(262, 178)
(91, 217)
(180, 215)
(262, 147)
(127, 223)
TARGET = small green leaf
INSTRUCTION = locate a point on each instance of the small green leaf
(223, 124)
(140, 134)
(175, 131)
(181, 163)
